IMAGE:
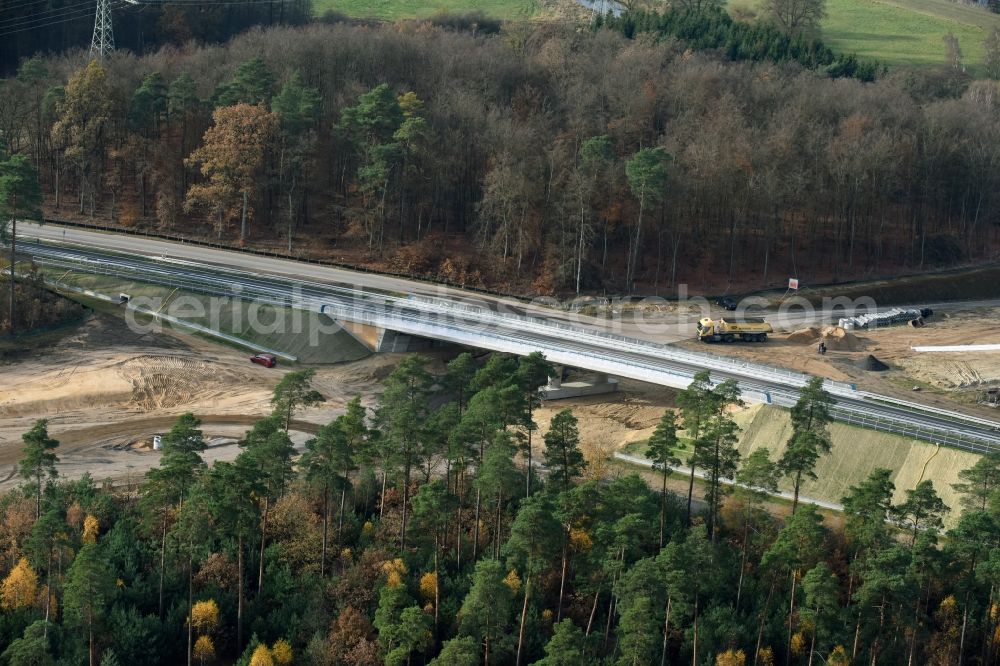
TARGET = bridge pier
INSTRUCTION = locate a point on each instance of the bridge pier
(556, 380)
(597, 384)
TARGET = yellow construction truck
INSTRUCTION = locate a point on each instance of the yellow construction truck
(722, 330)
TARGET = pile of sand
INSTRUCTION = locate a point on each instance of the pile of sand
(835, 337)
(804, 335)
(838, 339)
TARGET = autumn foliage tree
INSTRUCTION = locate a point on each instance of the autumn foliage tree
(230, 159)
(19, 588)
(84, 116)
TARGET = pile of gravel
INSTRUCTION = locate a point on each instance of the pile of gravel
(873, 364)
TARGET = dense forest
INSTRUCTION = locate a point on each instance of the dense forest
(534, 158)
(411, 532)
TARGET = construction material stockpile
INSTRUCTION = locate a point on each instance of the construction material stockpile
(873, 364)
(835, 338)
(893, 317)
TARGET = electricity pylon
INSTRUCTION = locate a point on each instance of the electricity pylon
(103, 42)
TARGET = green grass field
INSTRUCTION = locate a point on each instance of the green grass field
(895, 32)
(403, 9)
(908, 32)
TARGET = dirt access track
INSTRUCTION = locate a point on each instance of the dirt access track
(106, 391)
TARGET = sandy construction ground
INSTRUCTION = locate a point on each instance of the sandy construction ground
(946, 379)
(104, 389)
(609, 422)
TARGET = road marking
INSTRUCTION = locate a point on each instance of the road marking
(956, 348)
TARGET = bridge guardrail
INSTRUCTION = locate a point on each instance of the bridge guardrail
(721, 362)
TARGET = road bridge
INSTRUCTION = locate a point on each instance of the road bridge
(421, 313)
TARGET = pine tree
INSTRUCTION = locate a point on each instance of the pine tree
(412, 635)
(798, 547)
(923, 509)
(686, 568)
(231, 489)
(979, 482)
(293, 393)
(88, 589)
(148, 104)
(458, 378)
(662, 452)
(532, 544)
(565, 648)
(181, 461)
(639, 631)
(20, 198)
(38, 461)
(868, 508)
(647, 178)
(717, 452)
(810, 435)
(329, 459)
(393, 599)
(486, 611)
(563, 458)
(432, 505)
(533, 372)
(458, 652)
(697, 403)
(252, 84)
(31, 649)
(820, 608)
(477, 428)
(267, 455)
(498, 479)
(756, 479)
(402, 416)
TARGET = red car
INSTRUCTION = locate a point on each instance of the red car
(266, 360)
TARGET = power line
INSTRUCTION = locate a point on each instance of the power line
(45, 23)
(38, 16)
(22, 3)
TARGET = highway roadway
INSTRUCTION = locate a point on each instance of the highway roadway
(430, 311)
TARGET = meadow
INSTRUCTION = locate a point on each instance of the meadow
(908, 32)
(895, 32)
